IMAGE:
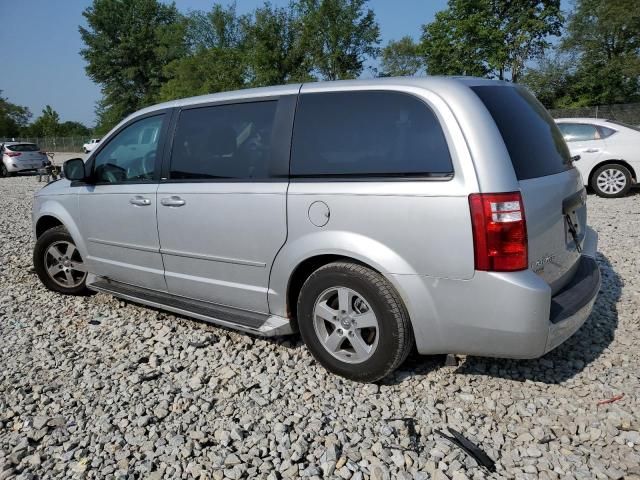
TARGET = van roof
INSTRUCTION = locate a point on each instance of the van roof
(435, 82)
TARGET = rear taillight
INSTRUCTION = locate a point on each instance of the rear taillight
(13, 154)
(499, 231)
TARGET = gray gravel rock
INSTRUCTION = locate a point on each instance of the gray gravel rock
(96, 387)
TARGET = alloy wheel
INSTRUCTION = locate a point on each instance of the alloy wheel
(346, 325)
(611, 181)
(64, 264)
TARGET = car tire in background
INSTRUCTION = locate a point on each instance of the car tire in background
(354, 322)
(59, 264)
(611, 181)
(3, 170)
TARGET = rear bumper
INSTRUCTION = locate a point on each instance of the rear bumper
(16, 167)
(510, 315)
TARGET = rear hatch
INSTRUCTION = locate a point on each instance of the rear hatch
(552, 190)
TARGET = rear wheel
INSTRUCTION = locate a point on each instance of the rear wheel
(3, 170)
(58, 263)
(611, 181)
(353, 322)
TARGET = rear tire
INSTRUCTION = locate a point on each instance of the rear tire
(611, 181)
(3, 170)
(354, 322)
(57, 260)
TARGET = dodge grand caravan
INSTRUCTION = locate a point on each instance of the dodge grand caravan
(370, 216)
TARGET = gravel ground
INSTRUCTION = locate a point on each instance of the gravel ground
(95, 387)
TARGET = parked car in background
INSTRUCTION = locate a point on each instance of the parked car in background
(21, 157)
(609, 153)
(90, 145)
(373, 216)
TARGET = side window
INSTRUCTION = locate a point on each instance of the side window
(605, 132)
(225, 141)
(574, 132)
(367, 134)
(130, 156)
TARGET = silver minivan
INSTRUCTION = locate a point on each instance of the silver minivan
(371, 216)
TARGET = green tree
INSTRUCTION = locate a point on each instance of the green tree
(216, 61)
(127, 45)
(400, 58)
(494, 38)
(605, 37)
(13, 118)
(73, 129)
(338, 36)
(46, 125)
(273, 49)
(551, 81)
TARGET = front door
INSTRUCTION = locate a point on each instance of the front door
(222, 203)
(118, 210)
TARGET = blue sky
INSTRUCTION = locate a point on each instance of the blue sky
(42, 64)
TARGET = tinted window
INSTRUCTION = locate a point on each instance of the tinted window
(23, 147)
(573, 132)
(227, 141)
(533, 140)
(367, 133)
(130, 156)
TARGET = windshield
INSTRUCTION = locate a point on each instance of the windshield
(23, 147)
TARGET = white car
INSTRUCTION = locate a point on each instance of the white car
(609, 153)
(90, 145)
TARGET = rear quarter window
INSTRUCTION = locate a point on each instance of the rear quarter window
(362, 134)
(533, 140)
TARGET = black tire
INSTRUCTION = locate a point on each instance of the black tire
(3, 170)
(395, 339)
(56, 234)
(621, 169)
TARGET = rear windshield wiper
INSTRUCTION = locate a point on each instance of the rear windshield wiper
(573, 231)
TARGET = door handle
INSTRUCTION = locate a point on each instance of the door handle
(592, 150)
(140, 201)
(172, 201)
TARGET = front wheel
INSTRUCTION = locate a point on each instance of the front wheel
(59, 264)
(611, 181)
(353, 322)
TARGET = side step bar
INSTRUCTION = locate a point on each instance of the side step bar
(236, 319)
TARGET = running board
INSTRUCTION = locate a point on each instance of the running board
(236, 319)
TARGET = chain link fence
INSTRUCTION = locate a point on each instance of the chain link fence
(52, 144)
(627, 113)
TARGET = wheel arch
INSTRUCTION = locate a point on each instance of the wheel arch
(46, 222)
(612, 161)
(301, 257)
(52, 214)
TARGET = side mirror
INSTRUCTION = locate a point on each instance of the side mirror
(74, 169)
(575, 158)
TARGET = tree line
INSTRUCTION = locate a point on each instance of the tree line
(14, 122)
(143, 52)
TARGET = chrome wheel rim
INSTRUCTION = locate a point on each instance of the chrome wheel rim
(64, 264)
(611, 181)
(346, 325)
